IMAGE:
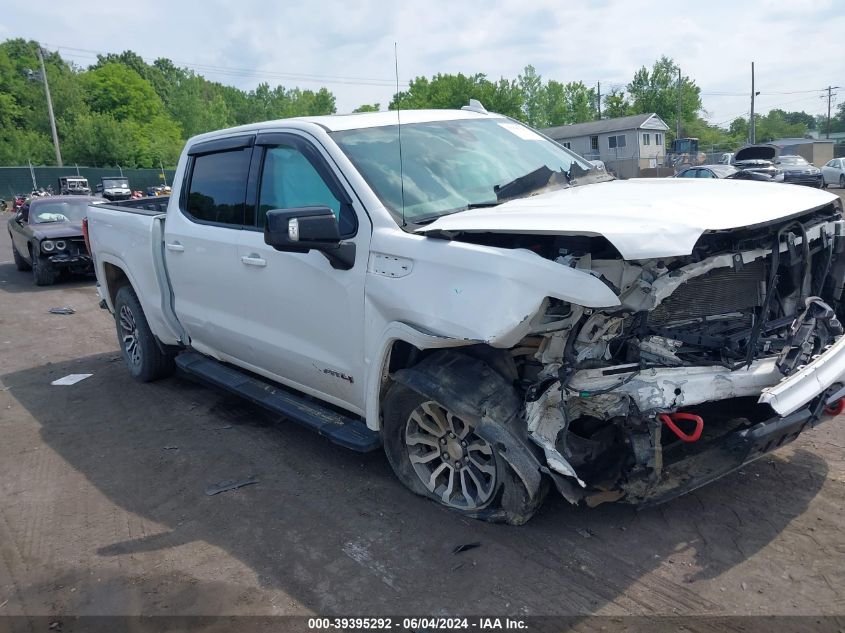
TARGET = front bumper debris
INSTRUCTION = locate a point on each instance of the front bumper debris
(724, 456)
(808, 382)
(66, 260)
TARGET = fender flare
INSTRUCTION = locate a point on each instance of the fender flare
(475, 392)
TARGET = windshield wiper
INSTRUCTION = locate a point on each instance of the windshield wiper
(428, 219)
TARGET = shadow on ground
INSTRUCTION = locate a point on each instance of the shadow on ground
(13, 280)
(336, 532)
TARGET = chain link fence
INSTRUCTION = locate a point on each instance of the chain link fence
(22, 180)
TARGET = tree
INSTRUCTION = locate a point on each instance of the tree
(534, 98)
(197, 108)
(455, 91)
(569, 103)
(368, 107)
(616, 104)
(121, 92)
(657, 91)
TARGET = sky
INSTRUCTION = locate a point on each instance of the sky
(348, 46)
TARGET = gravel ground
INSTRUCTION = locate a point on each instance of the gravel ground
(103, 509)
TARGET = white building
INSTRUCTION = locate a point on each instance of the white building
(626, 144)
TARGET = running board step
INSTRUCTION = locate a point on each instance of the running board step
(341, 429)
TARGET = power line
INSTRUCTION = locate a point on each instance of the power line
(246, 72)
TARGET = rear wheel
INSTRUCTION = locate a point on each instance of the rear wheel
(438, 455)
(842, 181)
(43, 273)
(141, 352)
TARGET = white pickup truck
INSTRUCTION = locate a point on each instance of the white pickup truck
(482, 303)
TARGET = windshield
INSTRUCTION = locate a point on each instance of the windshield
(56, 211)
(793, 160)
(114, 183)
(450, 166)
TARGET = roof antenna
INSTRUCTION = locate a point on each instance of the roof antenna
(399, 132)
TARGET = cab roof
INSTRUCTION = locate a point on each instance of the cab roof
(355, 121)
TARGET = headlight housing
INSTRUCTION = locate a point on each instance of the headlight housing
(61, 245)
(48, 246)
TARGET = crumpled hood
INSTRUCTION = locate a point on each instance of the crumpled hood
(756, 153)
(643, 218)
(56, 230)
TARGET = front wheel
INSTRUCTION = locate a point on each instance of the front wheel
(20, 262)
(438, 455)
(43, 273)
(141, 352)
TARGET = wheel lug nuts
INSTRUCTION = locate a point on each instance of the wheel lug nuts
(442, 440)
(452, 435)
(463, 444)
(445, 456)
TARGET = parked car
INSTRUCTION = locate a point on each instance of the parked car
(834, 173)
(726, 158)
(74, 185)
(722, 171)
(797, 171)
(496, 314)
(115, 188)
(46, 236)
(758, 159)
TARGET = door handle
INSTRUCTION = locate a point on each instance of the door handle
(176, 247)
(254, 260)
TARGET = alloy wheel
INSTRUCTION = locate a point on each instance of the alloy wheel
(451, 461)
(129, 335)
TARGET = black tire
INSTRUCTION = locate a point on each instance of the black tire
(509, 503)
(842, 181)
(143, 357)
(20, 262)
(43, 273)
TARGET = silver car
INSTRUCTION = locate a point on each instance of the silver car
(834, 173)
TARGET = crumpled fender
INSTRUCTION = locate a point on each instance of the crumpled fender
(475, 392)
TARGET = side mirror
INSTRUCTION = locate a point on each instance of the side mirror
(303, 229)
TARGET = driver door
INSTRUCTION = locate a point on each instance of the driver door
(303, 319)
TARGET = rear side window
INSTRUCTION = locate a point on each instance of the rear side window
(218, 187)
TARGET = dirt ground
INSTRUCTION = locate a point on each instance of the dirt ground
(103, 509)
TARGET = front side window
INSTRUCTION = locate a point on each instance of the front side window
(289, 180)
(689, 173)
(448, 166)
(217, 190)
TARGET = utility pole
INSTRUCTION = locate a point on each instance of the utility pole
(829, 96)
(678, 122)
(752, 132)
(598, 101)
(50, 107)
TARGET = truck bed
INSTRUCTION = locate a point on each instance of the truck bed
(127, 238)
(144, 206)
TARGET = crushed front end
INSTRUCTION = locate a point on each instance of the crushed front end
(710, 360)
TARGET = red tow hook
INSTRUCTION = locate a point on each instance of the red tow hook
(669, 420)
(835, 408)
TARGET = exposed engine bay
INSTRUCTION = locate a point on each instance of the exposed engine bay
(614, 397)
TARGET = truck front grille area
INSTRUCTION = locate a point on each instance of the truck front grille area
(721, 291)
